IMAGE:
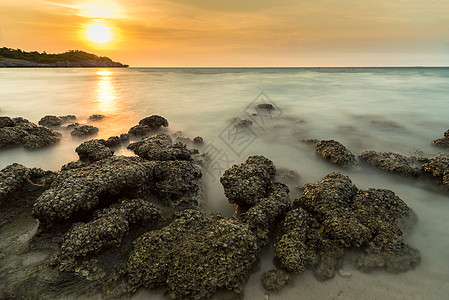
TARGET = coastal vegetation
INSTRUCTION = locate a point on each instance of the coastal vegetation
(75, 58)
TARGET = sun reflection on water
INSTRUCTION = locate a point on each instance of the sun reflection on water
(106, 94)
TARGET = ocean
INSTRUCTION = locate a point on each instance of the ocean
(383, 109)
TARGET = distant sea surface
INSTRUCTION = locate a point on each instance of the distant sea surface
(381, 109)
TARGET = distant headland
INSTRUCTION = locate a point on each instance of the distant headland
(16, 58)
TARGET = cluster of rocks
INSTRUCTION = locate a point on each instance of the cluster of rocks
(148, 125)
(444, 142)
(51, 120)
(333, 215)
(19, 131)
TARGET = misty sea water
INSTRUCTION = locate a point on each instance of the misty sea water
(382, 109)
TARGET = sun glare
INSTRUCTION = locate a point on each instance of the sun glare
(99, 33)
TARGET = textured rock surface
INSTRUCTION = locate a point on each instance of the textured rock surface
(333, 215)
(106, 230)
(154, 122)
(26, 133)
(50, 121)
(391, 162)
(139, 130)
(248, 182)
(266, 106)
(193, 256)
(438, 168)
(96, 117)
(336, 153)
(93, 150)
(81, 188)
(84, 130)
(444, 142)
(159, 147)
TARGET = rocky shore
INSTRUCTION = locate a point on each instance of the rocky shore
(111, 224)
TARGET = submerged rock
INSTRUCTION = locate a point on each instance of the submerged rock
(106, 230)
(336, 153)
(159, 147)
(96, 117)
(438, 168)
(391, 162)
(242, 123)
(84, 130)
(195, 255)
(27, 134)
(198, 140)
(275, 280)
(248, 182)
(266, 106)
(154, 122)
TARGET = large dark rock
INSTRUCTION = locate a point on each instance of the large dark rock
(81, 188)
(159, 147)
(107, 229)
(438, 168)
(391, 162)
(139, 130)
(247, 183)
(7, 122)
(154, 122)
(84, 130)
(195, 255)
(336, 153)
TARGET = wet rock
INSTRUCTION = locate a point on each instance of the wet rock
(93, 150)
(112, 141)
(444, 142)
(275, 280)
(19, 187)
(27, 134)
(67, 118)
(224, 252)
(159, 147)
(438, 168)
(154, 122)
(391, 162)
(139, 130)
(336, 153)
(106, 230)
(198, 140)
(84, 130)
(73, 125)
(124, 137)
(7, 122)
(242, 123)
(248, 182)
(81, 188)
(266, 106)
(96, 117)
(50, 121)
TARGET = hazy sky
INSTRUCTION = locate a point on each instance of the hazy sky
(237, 32)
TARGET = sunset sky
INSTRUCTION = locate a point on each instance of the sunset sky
(235, 32)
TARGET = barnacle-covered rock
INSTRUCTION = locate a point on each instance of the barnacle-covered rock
(159, 147)
(82, 187)
(50, 121)
(194, 255)
(28, 134)
(112, 141)
(6, 122)
(392, 162)
(19, 187)
(438, 168)
(444, 142)
(84, 130)
(68, 118)
(96, 117)
(198, 140)
(154, 122)
(275, 280)
(248, 182)
(336, 153)
(139, 130)
(106, 230)
(93, 150)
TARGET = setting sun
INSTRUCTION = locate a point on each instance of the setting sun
(99, 33)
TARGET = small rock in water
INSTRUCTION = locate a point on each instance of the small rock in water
(96, 117)
(344, 273)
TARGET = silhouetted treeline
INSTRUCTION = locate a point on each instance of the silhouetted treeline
(71, 56)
